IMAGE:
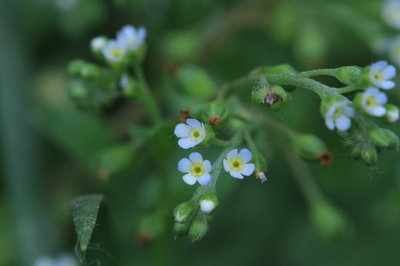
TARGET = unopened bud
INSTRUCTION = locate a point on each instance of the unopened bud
(213, 113)
(183, 212)
(77, 90)
(392, 113)
(260, 166)
(75, 66)
(369, 155)
(274, 97)
(91, 71)
(129, 86)
(98, 43)
(180, 229)
(384, 138)
(349, 74)
(310, 148)
(198, 228)
(208, 202)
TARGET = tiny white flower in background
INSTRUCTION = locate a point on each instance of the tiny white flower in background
(391, 13)
(113, 51)
(393, 115)
(372, 102)
(191, 134)
(207, 206)
(338, 116)
(98, 43)
(381, 73)
(197, 170)
(236, 164)
(261, 176)
(132, 38)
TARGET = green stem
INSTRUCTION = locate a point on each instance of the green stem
(220, 142)
(147, 97)
(250, 142)
(318, 72)
(346, 89)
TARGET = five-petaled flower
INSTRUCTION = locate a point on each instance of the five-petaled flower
(114, 52)
(236, 164)
(338, 115)
(130, 37)
(191, 134)
(197, 170)
(380, 74)
(372, 102)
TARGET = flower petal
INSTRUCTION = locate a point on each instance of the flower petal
(378, 111)
(182, 131)
(193, 122)
(231, 154)
(196, 157)
(349, 111)
(186, 143)
(329, 123)
(378, 66)
(343, 123)
(226, 165)
(236, 174)
(389, 72)
(248, 169)
(184, 165)
(207, 165)
(387, 85)
(189, 179)
(204, 179)
(245, 155)
(381, 98)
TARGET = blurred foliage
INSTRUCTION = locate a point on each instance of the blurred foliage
(194, 47)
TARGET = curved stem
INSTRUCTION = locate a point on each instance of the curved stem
(147, 97)
(318, 72)
(346, 89)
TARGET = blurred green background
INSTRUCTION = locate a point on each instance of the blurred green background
(52, 152)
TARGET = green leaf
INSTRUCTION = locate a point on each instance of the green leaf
(84, 213)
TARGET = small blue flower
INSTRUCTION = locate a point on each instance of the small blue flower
(130, 37)
(381, 73)
(197, 170)
(372, 102)
(191, 134)
(338, 116)
(236, 163)
(114, 52)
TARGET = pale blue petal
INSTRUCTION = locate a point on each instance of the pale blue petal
(204, 179)
(236, 174)
(196, 157)
(226, 165)
(349, 111)
(329, 123)
(248, 169)
(381, 98)
(233, 153)
(184, 165)
(186, 143)
(207, 166)
(387, 85)
(182, 131)
(378, 111)
(245, 155)
(189, 179)
(378, 65)
(389, 72)
(343, 123)
(193, 122)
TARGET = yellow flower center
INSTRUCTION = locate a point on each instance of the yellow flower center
(338, 112)
(236, 164)
(197, 169)
(196, 134)
(378, 75)
(116, 53)
(370, 101)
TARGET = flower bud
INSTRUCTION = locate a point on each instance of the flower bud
(129, 86)
(208, 202)
(260, 166)
(384, 138)
(183, 212)
(349, 74)
(274, 97)
(368, 155)
(180, 229)
(75, 66)
(310, 148)
(91, 71)
(198, 228)
(213, 113)
(98, 43)
(392, 113)
(77, 90)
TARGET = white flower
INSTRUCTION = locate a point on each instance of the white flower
(381, 73)
(338, 115)
(130, 37)
(197, 170)
(207, 206)
(391, 13)
(98, 43)
(372, 102)
(190, 134)
(392, 115)
(236, 164)
(114, 52)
